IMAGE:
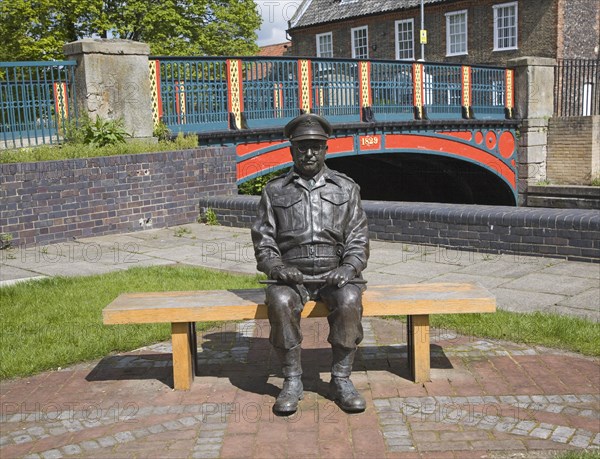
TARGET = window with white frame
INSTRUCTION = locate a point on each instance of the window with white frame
(325, 45)
(456, 33)
(405, 39)
(505, 26)
(360, 43)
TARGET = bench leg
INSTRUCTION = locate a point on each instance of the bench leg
(418, 347)
(183, 358)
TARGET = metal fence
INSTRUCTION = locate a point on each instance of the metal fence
(576, 89)
(37, 100)
(194, 92)
(392, 84)
(488, 86)
(197, 93)
(335, 89)
(270, 91)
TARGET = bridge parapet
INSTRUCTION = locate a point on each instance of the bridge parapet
(219, 94)
(375, 107)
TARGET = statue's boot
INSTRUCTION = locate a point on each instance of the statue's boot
(292, 391)
(341, 389)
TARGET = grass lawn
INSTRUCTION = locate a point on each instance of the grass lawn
(589, 454)
(56, 322)
(550, 330)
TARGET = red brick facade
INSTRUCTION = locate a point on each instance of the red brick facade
(546, 28)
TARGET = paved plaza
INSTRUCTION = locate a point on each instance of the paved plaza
(486, 398)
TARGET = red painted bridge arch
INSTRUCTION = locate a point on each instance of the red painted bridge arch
(490, 147)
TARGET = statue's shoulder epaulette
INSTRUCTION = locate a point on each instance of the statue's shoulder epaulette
(344, 176)
(277, 177)
(273, 181)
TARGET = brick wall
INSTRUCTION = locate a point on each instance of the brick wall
(56, 201)
(573, 150)
(537, 33)
(568, 233)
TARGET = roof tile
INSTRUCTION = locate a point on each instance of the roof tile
(312, 12)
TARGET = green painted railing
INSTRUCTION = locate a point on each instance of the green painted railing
(37, 102)
(203, 94)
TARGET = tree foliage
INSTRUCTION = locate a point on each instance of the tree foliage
(37, 29)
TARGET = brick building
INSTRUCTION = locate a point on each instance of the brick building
(459, 31)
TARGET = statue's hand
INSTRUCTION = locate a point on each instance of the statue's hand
(288, 275)
(341, 276)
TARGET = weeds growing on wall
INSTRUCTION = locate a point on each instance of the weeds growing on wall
(209, 217)
(77, 149)
(103, 133)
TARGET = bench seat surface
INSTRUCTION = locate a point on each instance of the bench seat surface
(218, 305)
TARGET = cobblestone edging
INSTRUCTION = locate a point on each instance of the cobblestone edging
(572, 234)
(208, 443)
(69, 422)
(395, 416)
(54, 201)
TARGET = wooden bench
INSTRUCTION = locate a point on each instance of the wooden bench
(183, 309)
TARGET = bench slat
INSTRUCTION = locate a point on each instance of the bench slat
(219, 305)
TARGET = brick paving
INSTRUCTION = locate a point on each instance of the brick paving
(486, 397)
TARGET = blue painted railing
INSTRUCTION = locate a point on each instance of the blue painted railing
(196, 92)
(392, 86)
(489, 92)
(443, 91)
(37, 99)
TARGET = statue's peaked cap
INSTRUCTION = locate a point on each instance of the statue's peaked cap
(308, 126)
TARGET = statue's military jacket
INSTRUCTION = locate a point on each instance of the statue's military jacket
(315, 227)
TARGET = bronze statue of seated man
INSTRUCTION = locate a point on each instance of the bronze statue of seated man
(311, 227)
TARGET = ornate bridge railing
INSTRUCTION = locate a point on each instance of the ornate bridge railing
(36, 101)
(218, 94)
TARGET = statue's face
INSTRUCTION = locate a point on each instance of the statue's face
(309, 156)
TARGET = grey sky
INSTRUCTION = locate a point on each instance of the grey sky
(275, 14)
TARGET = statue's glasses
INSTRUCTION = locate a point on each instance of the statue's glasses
(316, 147)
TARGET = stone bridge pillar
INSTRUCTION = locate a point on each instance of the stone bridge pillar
(111, 81)
(534, 89)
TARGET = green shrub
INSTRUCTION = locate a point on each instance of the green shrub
(102, 133)
(161, 131)
(255, 186)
